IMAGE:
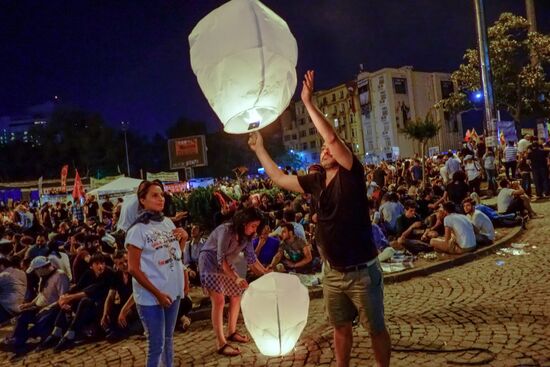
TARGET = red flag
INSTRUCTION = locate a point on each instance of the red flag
(64, 172)
(78, 189)
(467, 136)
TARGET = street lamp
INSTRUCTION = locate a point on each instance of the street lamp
(125, 126)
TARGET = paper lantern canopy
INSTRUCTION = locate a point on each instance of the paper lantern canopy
(275, 309)
(244, 57)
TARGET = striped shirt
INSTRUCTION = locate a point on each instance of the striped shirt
(510, 154)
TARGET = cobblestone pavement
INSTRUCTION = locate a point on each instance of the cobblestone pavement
(503, 309)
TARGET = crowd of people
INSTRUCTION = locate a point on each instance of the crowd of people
(64, 267)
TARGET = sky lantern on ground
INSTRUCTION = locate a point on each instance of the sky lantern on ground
(275, 309)
(244, 57)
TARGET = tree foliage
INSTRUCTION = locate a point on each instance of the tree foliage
(520, 87)
(422, 131)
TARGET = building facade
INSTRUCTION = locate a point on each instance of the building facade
(340, 105)
(389, 98)
(20, 128)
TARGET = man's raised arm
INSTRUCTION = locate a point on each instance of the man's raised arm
(288, 182)
(337, 148)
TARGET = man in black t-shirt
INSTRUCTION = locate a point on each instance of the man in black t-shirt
(538, 158)
(92, 207)
(353, 282)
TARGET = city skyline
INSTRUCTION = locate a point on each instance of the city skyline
(130, 61)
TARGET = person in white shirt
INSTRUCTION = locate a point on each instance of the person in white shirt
(459, 232)
(473, 171)
(524, 143)
(155, 262)
(512, 199)
(483, 227)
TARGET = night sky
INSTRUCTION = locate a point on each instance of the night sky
(129, 60)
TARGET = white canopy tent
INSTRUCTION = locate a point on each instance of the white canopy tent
(118, 188)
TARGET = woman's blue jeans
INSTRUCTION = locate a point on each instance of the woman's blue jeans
(159, 324)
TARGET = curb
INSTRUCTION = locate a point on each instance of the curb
(317, 292)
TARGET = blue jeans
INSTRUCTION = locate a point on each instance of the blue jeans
(159, 324)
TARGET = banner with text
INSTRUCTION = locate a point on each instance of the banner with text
(163, 176)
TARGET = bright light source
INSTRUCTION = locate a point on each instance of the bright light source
(275, 309)
(244, 57)
(478, 95)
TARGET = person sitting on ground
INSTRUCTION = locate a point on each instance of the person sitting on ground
(390, 210)
(459, 232)
(289, 217)
(294, 252)
(38, 249)
(59, 258)
(455, 191)
(408, 227)
(512, 199)
(191, 254)
(483, 227)
(86, 300)
(120, 319)
(40, 311)
(13, 285)
(265, 246)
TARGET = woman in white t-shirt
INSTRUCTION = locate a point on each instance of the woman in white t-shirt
(155, 263)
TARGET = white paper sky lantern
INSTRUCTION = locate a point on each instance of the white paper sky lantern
(275, 309)
(244, 57)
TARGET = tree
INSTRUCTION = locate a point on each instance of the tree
(519, 87)
(422, 130)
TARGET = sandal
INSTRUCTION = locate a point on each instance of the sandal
(238, 338)
(232, 352)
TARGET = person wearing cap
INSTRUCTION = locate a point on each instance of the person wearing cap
(59, 258)
(473, 172)
(40, 311)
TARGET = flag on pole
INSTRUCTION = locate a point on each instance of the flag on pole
(467, 136)
(64, 172)
(474, 136)
(78, 189)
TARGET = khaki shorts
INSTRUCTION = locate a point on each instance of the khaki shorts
(356, 293)
(454, 247)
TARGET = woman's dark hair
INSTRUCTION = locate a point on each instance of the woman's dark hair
(243, 217)
(143, 189)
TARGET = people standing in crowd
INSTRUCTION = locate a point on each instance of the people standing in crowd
(510, 160)
(538, 157)
(91, 208)
(489, 164)
(154, 260)
(473, 173)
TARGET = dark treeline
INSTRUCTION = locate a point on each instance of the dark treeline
(84, 141)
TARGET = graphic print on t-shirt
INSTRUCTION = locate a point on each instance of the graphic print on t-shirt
(167, 243)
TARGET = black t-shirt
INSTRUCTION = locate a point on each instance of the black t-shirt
(538, 159)
(124, 290)
(343, 232)
(378, 176)
(92, 209)
(457, 191)
(404, 223)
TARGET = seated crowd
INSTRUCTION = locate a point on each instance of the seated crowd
(64, 269)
